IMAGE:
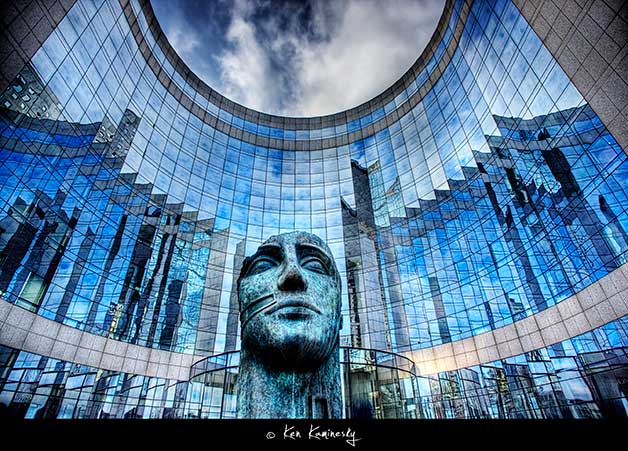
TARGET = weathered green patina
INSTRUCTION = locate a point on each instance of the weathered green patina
(289, 294)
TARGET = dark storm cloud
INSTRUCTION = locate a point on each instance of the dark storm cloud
(299, 58)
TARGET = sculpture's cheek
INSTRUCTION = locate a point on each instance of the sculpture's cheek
(327, 297)
(254, 288)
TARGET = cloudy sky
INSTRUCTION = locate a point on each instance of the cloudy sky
(299, 58)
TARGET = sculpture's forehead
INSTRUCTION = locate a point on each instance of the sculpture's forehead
(293, 238)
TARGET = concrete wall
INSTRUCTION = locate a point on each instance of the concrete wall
(589, 39)
(600, 303)
(24, 26)
(24, 330)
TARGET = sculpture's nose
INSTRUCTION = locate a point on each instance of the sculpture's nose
(292, 278)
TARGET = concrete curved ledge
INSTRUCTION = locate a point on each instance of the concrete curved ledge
(600, 303)
(27, 331)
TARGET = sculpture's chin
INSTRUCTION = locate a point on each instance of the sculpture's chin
(292, 350)
(303, 353)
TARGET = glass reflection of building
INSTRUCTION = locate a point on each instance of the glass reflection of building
(479, 198)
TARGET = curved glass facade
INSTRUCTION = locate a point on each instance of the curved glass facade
(478, 192)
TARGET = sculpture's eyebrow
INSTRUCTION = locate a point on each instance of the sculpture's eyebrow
(313, 247)
(272, 249)
(318, 251)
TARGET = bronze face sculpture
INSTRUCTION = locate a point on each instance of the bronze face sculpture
(289, 294)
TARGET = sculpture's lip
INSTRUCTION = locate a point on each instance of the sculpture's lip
(292, 303)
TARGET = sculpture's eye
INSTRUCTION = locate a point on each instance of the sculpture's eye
(260, 265)
(315, 264)
(315, 260)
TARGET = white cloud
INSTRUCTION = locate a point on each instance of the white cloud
(186, 43)
(373, 47)
(245, 69)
